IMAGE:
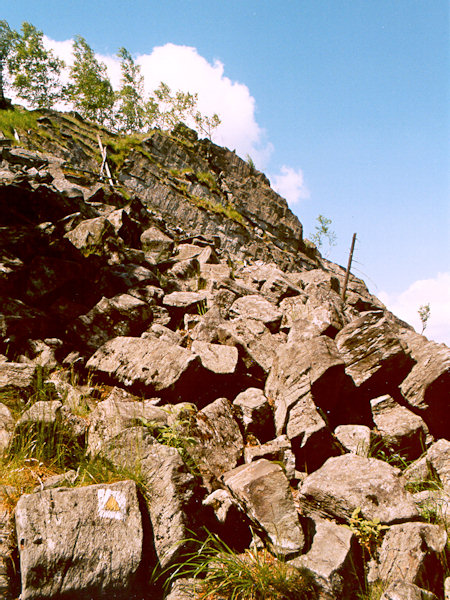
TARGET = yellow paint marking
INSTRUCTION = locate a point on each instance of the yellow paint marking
(112, 504)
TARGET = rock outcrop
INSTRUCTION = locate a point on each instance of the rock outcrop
(175, 359)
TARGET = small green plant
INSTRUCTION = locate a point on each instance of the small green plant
(223, 574)
(251, 163)
(202, 307)
(208, 179)
(424, 314)
(323, 232)
(368, 532)
(18, 120)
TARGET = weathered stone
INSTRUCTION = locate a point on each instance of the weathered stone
(401, 590)
(83, 541)
(185, 589)
(334, 559)
(117, 412)
(172, 496)
(184, 300)
(254, 413)
(257, 307)
(347, 482)
(401, 430)
(216, 357)
(263, 489)
(354, 438)
(157, 243)
(8, 544)
(229, 521)
(320, 278)
(277, 287)
(17, 376)
(304, 376)
(151, 365)
(278, 450)
(122, 315)
(125, 227)
(6, 427)
(92, 235)
(375, 357)
(438, 455)
(426, 387)
(411, 552)
(253, 338)
(219, 443)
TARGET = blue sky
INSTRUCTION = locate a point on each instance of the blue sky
(343, 103)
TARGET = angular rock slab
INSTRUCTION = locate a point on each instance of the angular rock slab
(347, 482)
(375, 357)
(411, 552)
(219, 442)
(151, 365)
(400, 590)
(263, 489)
(400, 429)
(79, 542)
(257, 307)
(333, 559)
(171, 490)
(426, 388)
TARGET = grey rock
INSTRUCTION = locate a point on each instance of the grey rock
(184, 300)
(426, 387)
(374, 355)
(7, 543)
(6, 427)
(263, 489)
(254, 339)
(278, 450)
(172, 491)
(438, 455)
(83, 541)
(257, 307)
(184, 589)
(411, 552)
(401, 590)
(116, 413)
(254, 413)
(219, 444)
(401, 430)
(92, 235)
(347, 482)
(157, 243)
(216, 357)
(334, 560)
(354, 438)
(149, 364)
(17, 376)
(123, 315)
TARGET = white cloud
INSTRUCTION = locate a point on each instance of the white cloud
(290, 184)
(436, 293)
(182, 68)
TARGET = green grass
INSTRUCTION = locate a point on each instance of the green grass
(223, 574)
(17, 119)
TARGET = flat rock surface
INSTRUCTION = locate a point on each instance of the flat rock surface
(79, 541)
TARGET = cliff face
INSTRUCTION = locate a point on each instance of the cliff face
(174, 357)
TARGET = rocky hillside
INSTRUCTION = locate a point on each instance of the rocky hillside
(184, 391)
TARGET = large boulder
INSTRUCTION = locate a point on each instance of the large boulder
(171, 495)
(302, 378)
(81, 542)
(6, 427)
(111, 317)
(150, 365)
(412, 552)
(116, 413)
(401, 590)
(401, 430)
(348, 482)
(262, 488)
(218, 444)
(426, 387)
(334, 558)
(256, 307)
(374, 355)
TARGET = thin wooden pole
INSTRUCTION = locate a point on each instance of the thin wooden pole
(349, 265)
(104, 161)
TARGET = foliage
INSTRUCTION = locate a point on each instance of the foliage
(208, 179)
(17, 119)
(368, 532)
(35, 71)
(165, 110)
(251, 163)
(89, 90)
(130, 109)
(424, 314)
(6, 39)
(222, 574)
(323, 232)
